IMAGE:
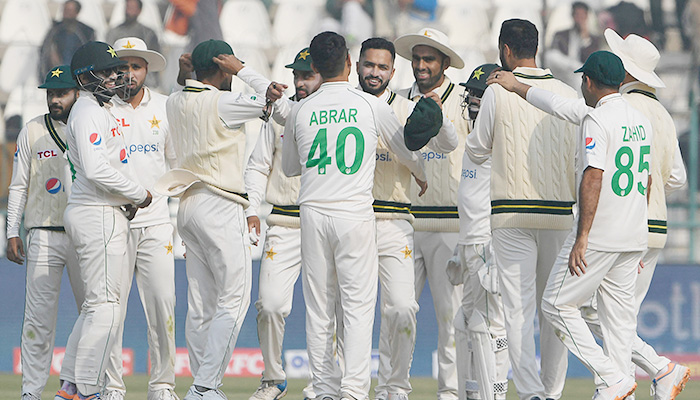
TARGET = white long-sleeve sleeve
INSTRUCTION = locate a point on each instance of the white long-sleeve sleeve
(19, 186)
(391, 131)
(678, 177)
(259, 167)
(235, 109)
(259, 84)
(291, 163)
(568, 109)
(479, 142)
(446, 140)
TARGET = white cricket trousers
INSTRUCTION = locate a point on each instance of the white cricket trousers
(643, 354)
(525, 259)
(279, 270)
(339, 261)
(433, 250)
(150, 259)
(219, 280)
(47, 252)
(611, 278)
(397, 333)
(99, 234)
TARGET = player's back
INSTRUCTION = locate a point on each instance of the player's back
(336, 133)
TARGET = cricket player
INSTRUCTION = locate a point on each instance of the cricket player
(602, 253)
(141, 115)
(532, 194)
(375, 68)
(480, 335)
(94, 218)
(638, 89)
(330, 139)
(39, 189)
(281, 263)
(437, 219)
(206, 122)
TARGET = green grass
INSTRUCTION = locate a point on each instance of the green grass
(242, 388)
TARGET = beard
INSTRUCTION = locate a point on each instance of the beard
(371, 89)
(57, 113)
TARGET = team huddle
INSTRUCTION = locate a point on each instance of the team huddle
(511, 197)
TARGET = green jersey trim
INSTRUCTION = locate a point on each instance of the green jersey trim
(532, 207)
(434, 212)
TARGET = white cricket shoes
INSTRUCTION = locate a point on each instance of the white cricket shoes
(619, 391)
(162, 394)
(30, 396)
(211, 394)
(397, 396)
(269, 390)
(112, 395)
(668, 385)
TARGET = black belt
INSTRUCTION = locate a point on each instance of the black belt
(51, 228)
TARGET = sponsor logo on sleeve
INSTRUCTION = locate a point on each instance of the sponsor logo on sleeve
(95, 139)
(123, 157)
(590, 143)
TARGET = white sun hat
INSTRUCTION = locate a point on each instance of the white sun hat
(135, 47)
(427, 37)
(638, 55)
(175, 182)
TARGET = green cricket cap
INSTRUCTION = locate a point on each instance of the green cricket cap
(59, 78)
(604, 67)
(477, 80)
(302, 61)
(204, 52)
(423, 124)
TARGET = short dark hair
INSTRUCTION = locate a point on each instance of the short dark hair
(380, 44)
(78, 6)
(328, 52)
(579, 4)
(601, 85)
(206, 73)
(521, 37)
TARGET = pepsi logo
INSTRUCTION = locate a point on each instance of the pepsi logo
(590, 143)
(53, 185)
(122, 156)
(95, 139)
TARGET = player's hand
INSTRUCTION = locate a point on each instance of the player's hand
(15, 250)
(435, 97)
(254, 229)
(228, 63)
(146, 202)
(640, 267)
(186, 68)
(577, 259)
(275, 91)
(503, 78)
(130, 211)
(423, 185)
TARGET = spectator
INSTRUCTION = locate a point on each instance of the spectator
(64, 38)
(198, 18)
(132, 28)
(571, 47)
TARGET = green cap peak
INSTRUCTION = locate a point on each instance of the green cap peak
(302, 61)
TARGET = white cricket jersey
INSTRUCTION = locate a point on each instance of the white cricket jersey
(330, 139)
(150, 150)
(617, 139)
(98, 157)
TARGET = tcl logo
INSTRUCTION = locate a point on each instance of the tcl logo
(42, 155)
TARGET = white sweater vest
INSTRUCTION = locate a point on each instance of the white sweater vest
(532, 170)
(643, 98)
(46, 195)
(203, 144)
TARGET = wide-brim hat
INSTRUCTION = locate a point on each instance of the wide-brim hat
(638, 55)
(135, 47)
(175, 182)
(59, 78)
(427, 37)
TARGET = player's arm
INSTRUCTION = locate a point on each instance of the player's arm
(257, 172)
(186, 68)
(235, 109)
(17, 197)
(568, 109)
(678, 177)
(96, 166)
(391, 131)
(291, 163)
(170, 154)
(589, 193)
(479, 142)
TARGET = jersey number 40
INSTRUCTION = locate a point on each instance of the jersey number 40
(321, 143)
